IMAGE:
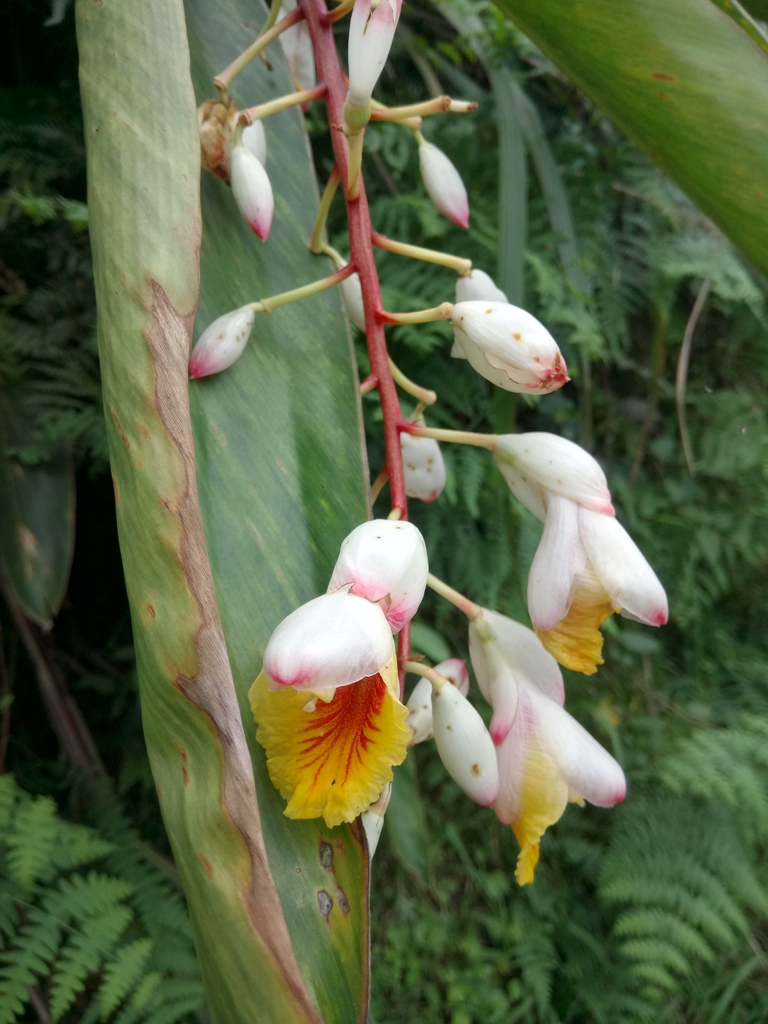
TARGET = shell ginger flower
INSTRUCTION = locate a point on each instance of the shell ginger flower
(327, 709)
(545, 758)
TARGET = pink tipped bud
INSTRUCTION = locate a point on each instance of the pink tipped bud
(508, 347)
(443, 184)
(221, 343)
(255, 139)
(370, 39)
(464, 745)
(478, 285)
(352, 297)
(252, 190)
(423, 466)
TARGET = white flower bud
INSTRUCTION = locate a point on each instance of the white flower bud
(537, 462)
(423, 466)
(373, 819)
(334, 640)
(508, 347)
(385, 561)
(419, 705)
(370, 40)
(297, 49)
(478, 285)
(352, 297)
(252, 190)
(443, 184)
(221, 343)
(464, 745)
(255, 139)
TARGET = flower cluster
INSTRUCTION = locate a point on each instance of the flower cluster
(328, 702)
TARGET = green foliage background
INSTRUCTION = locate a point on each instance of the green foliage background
(653, 911)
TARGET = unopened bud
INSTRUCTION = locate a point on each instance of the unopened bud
(221, 343)
(419, 705)
(252, 190)
(443, 184)
(373, 819)
(508, 347)
(423, 466)
(465, 745)
(255, 139)
(352, 297)
(297, 49)
(478, 285)
(370, 38)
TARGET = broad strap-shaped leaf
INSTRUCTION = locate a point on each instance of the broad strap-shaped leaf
(143, 169)
(37, 519)
(685, 82)
(282, 479)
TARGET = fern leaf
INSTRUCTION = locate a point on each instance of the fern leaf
(31, 839)
(122, 973)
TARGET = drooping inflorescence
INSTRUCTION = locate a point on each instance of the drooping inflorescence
(329, 701)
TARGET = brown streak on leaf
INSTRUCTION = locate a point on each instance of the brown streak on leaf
(184, 762)
(212, 689)
(207, 866)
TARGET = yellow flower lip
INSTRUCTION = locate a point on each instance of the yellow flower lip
(332, 760)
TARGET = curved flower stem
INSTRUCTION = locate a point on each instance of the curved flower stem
(293, 99)
(439, 105)
(424, 395)
(316, 244)
(224, 79)
(414, 123)
(378, 484)
(417, 669)
(470, 609)
(283, 298)
(340, 12)
(368, 385)
(420, 316)
(417, 252)
(455, 436)
(274, 10)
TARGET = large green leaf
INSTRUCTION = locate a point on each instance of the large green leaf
(143, 166)
(37, 519)
(683, 80)
(282, 481)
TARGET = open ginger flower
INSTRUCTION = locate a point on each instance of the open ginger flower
(586, 567)
(327, 708)
(545, 758)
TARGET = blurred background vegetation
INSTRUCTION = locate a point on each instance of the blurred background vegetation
(657, 910)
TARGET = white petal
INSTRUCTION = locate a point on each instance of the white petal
(499, 336)
(465, 746)
(443, 184)
(255, 139)
(221, 343)
(510, 757)
(455, 670)
(419, 706)
(523, 650)
(622, 569)
(423, 466)
(252, 190)
(457, 352)
(334, 640)
(478, 285)
(558, 465)
(588, 768)
(370, 40)
(559, 557)
(352, 297)
(526, 492)
(385, 560)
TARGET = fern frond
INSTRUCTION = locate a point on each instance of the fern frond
(30, 842)
(123, 973)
